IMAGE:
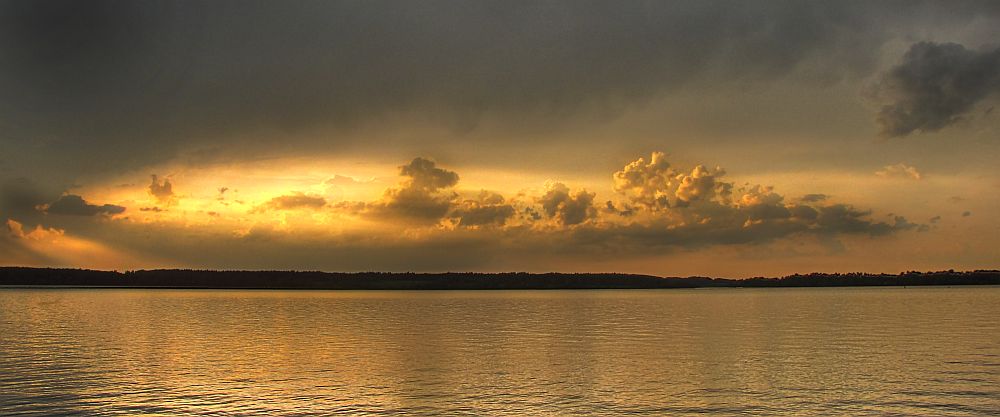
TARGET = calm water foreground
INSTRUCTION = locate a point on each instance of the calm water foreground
(853, 351)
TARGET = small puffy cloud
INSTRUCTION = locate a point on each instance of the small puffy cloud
(813, 198)
(162, 190)
(488, 209)
(934, 219)
(966, 213)
(344, 180)
(624, 211)
(935, 86)
(899, 170)
(293, 201)
(566, 207)
(74, 205)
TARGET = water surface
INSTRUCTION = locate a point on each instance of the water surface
(823, 351)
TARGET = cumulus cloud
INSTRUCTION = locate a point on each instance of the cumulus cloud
(293, 201)
(899, 170)
(162, 190)
(762, 203)
(935, 86)
(566, 207)
(489, 209)
(425, 175)
(646, 183)
(660, 200)
(74, 205)
(698, 207)
(701, 184)
(655, 185)
(420, 196)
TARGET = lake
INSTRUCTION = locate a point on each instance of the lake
(789, 351)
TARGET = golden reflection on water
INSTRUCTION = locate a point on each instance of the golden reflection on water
(855, 351)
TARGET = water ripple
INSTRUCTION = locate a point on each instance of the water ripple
(849, 351)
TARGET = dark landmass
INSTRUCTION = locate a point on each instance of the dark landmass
(311, 280)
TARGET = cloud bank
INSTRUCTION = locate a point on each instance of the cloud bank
(429, 220)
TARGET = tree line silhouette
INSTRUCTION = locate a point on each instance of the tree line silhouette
(188, 278)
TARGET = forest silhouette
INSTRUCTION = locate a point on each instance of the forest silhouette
(315, 280)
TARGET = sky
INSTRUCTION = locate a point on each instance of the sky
(717, 138)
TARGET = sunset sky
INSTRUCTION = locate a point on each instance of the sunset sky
(672, 138)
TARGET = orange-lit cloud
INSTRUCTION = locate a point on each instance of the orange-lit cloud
(899, 170)
(43, 246)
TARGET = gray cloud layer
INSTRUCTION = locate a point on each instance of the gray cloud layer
(109, 85)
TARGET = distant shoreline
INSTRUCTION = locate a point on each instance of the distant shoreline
(312, 280)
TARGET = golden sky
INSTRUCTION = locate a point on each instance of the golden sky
(683, 139)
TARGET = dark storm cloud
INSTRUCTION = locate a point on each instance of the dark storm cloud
(138, 82)
(935, 86)
(74, 205)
